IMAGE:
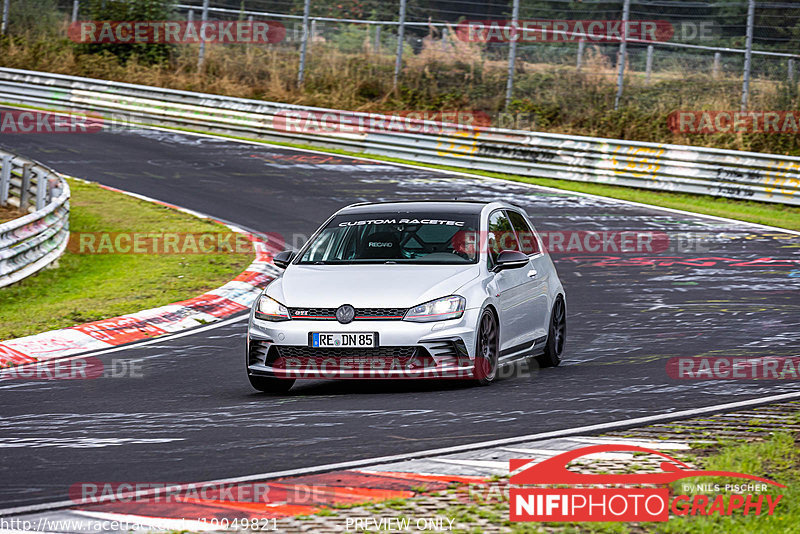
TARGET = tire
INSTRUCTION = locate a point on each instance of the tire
(486, 350)
(268, 384)
(556, 336)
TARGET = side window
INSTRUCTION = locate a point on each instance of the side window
(500, 236)
(527, 239)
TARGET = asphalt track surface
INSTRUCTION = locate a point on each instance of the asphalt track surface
(193, 416)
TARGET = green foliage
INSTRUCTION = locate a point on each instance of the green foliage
(351, 38)
(89, 287)
(131, 10)
(776, 459)
(33, 17)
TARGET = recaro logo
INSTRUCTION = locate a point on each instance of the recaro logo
(621, 503)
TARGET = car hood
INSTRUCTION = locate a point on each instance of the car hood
(368, 286)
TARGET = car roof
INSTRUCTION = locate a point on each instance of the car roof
(440, 206)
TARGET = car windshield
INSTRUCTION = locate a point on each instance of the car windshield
(417, 238)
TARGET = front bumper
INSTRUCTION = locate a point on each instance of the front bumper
(442, 349)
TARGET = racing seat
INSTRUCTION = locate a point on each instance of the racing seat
(380, 246)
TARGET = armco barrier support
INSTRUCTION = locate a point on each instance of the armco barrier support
(39, 236)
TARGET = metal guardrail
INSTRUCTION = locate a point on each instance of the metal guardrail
(678, 168)
(34, 240)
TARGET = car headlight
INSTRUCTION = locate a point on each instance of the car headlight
(451, 307)
(270, 309)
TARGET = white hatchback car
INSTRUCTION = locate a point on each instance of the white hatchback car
(433, 289)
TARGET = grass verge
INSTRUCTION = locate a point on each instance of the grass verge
(90, 287)
(777, 459)
(8, 213)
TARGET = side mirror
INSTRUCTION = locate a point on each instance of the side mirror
(283, 259)
(510, 259)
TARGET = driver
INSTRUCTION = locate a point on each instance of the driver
(465, 244)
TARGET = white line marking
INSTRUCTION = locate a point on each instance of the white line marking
(135, 345)
(353, 464)
(657, 445)
(491, 464)
(551, 453)
(554, 452)
(535, 452)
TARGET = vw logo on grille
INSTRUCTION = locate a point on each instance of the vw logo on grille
(345, 314)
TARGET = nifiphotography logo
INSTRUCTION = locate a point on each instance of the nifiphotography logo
(626, 500)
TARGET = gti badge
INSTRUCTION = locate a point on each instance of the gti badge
(345, 314)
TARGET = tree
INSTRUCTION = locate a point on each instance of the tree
(130, 11)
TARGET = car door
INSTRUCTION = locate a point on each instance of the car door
(511, 287)
(537, 274)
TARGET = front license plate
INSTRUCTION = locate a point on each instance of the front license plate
(340, 340)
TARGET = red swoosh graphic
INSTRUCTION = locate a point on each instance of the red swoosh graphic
(554, 470)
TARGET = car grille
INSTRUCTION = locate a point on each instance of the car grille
(285, 351)
(308, 358)
(362, 314)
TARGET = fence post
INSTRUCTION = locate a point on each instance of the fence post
(790, 76)
(377, 38)
(5, 179)
(25, 191)
(41, 190)
(581, 50)
(301, 72)
(398, 60)
(748, 54)
(202, 54)
(649, 64)
(6, 10)
(717, 63)
(75, 8)
(626, 12)
(444, 38)
(250, 23)
(512, 52)
(190, 16)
